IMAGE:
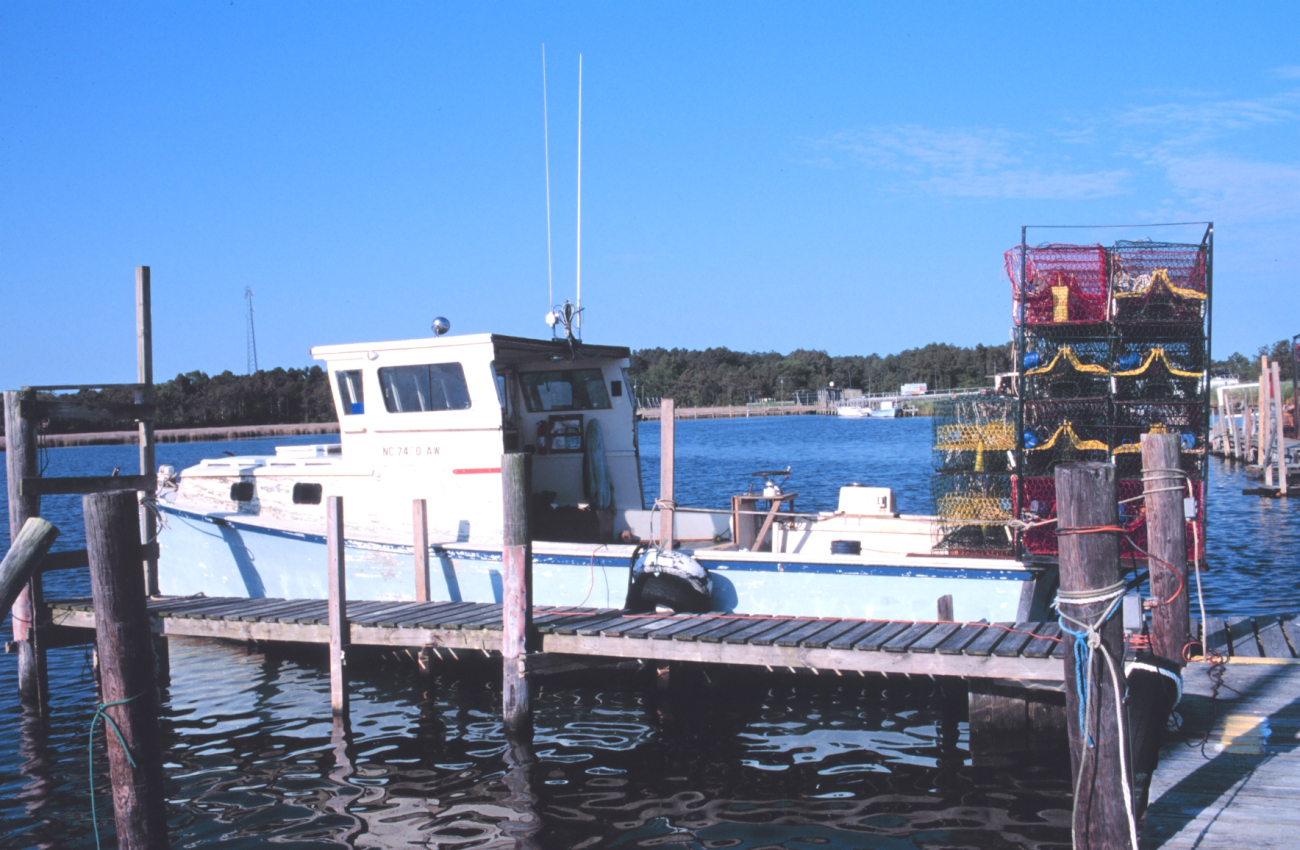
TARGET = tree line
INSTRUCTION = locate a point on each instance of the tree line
(695, 378)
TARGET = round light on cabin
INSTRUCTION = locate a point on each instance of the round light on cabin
(372, 355)
(440, 326)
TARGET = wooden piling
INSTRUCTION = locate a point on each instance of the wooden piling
(23, 560)
(1278, 431)
(667, 451)
(1086, 498)
(420, 527)
(516, 612)
(1163, 491)
(126, 668)
(340, 633)
(944, 607)
(144, 376)
(20, 462)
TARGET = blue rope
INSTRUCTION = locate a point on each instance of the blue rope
(1082, 660)
(90, 753)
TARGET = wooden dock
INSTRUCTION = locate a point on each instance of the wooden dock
(1239, 790)
(1030, 651)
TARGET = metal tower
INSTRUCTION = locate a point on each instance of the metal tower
(252, 337)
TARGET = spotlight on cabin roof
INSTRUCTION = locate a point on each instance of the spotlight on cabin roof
(440, 326)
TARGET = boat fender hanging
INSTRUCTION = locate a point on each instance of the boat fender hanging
(671, 579)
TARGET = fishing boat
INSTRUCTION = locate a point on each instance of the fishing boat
(429, 419)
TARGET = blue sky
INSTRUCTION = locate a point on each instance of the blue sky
(757, 176)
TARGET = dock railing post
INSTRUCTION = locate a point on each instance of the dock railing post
(23, 560)
(1164, 486)
(420, 529)
(126, 668)
(667, 451)
(21, 462)
(516, 610)
(1278, 431)
(340, 633)
(1089, 602)
(144, 375)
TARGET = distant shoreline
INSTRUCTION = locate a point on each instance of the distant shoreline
(185, 435)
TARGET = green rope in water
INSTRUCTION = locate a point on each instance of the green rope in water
(90, 754)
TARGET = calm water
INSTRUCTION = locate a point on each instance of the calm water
(741, 760)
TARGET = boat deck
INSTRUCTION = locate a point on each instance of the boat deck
(980, 650)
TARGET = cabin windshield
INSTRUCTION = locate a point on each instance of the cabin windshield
(577, 389)
(350, 392)
(416, 389)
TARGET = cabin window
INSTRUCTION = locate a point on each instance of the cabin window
(352, 401)
(306, 494)
(418, 389)
(503, 389)
(241, 491)
(579, 389)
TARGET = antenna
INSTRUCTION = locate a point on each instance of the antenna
(579, 305)
(252, 337)
(546, 147)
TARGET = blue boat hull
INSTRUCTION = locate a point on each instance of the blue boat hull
(222, 556)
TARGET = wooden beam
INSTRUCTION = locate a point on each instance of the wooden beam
(667, 453)
(51, 388)
(126, 669)
(144, 397)
(21, 462)
(23, 560)
(420, 529)
(94, 410)
(85, 485)
(1087, 498)
(338, 602)
(78, 558)
(516, 612)
(1167, 542)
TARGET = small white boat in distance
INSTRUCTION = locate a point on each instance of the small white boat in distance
(883, 409)
(429, 419)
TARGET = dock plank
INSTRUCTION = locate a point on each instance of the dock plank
(962, 638)
(831, 633)
(771, 636)
(1049, 638)
(1271, 637)
(757, 627)
(1016, 640)
(808, 630)
(857, 633)
(991, 636)
(878, 638)
(691, 621)
(1216, 635)
(931, 640)
(1241, 631)
(908, 636)
(1291, 628)
(727, 626)
(256, 614)
(390, 618)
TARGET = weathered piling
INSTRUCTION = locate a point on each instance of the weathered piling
(420, 542)
(126, 668)
(340, 633)
(516, 612)
(667, 450)
(1279, 432)
(1163, 492)
(23, 560)
(144, 396)
(1091, 588)
(21, 462)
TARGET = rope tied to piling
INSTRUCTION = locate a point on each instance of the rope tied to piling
(1087, 646)
(90, 753)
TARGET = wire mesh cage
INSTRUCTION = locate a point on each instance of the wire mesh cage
(973, 510)
(1157, 283)
(1133, 518)
(974, 434)
(1054, 432)
(1172, 369)
(1062, 284)
(1133, 419)
(1035, 505)
(1065, 368)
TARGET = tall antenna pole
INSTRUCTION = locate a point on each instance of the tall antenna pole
(579, 191)
(252, 337)
(546, 147)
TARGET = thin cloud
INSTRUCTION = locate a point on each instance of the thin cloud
(973, 163)
(1221, 185)
(1287, 72)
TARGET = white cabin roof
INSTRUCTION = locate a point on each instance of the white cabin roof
(505, 347)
